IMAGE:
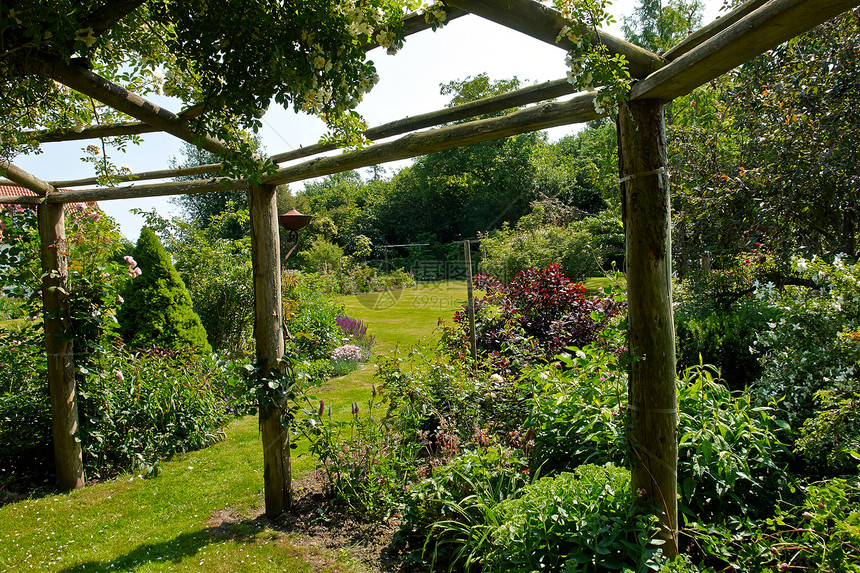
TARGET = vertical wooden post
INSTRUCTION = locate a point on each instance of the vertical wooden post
(58, 344)
(266, 256)
(651, 394)
(472, 336)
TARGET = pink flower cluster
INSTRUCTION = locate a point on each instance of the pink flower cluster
(346, 352)
(133, 269)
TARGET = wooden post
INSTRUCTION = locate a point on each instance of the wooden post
(61, 368)
(651, 394)
(266, 256)
(472, 337)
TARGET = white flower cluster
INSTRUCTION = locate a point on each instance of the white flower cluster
(388, 40)
(158, 81)
(435, 15)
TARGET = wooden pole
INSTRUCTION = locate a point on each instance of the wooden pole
(119, 98)
(652, 396)
(58, 345)
(266, 255)
(472, 337)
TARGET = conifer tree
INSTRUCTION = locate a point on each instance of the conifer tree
(157, 310)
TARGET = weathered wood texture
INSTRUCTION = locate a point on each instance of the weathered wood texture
(652, 396)
(58, 344)
(544, 23)
(577, 109)
(211, 169)
(761, 30)
(543, 116)
(712, 29)
(105, 130)
(23, 178)
(265, 255)
(516, 98)
(117, 97)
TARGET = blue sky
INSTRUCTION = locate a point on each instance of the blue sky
(409, 85)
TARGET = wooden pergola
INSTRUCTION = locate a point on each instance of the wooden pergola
(751, 29)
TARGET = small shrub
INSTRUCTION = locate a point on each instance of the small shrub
(577, 522)
(345, 359)
(581, 248)
(138, 409)
(322, 256)
(810, 357)
(310, 313)
(366, 465)
(316, 371)
(448, 511)
(157, 310)
(732, 455)
(530, 319)
(356, 332)
(819, 532)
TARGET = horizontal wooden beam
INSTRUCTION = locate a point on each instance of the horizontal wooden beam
(106, 130)
(516, 98)
(149, 190)
(24, 179)
(763, 29)
(576, 110)
(208, 169)
(709, 31)
(117, 97)
(493, 104)
(21, 200)
(544, 23)
(543, 116)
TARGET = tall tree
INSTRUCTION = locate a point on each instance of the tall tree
(660, 24)
(455, 194)
(201, 208)
(782, 169)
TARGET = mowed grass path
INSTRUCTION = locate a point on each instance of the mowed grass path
(174, 522)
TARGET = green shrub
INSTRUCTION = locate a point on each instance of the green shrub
(731, 457)
(157, 311)
(140, 408)
(134, 410)
(316, 371)
(367, 466)
(576, 410)
(310, 313)
(448, 511)
(819, 532)
(575, 522)
(322, 256)
(216, 269)
(488, 475)
(583, 248)
(707, 334)
(810, 358)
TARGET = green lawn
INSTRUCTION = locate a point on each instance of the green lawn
(173, 522)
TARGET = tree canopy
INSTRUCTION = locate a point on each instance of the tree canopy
(229, 58)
